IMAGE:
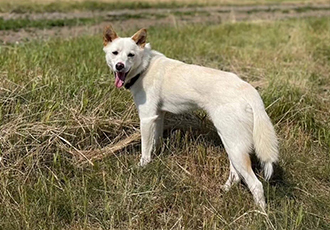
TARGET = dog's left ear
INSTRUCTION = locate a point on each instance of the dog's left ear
(140, 37)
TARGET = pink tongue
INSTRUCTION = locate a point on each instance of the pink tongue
(120, 79)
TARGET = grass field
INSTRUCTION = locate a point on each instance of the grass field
(23, 6)
(58, 104)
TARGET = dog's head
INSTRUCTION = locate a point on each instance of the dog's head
(123, 55)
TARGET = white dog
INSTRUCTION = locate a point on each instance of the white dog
(160, 84)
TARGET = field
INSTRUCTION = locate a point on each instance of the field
(69, 140)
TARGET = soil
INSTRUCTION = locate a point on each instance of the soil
(134, 19)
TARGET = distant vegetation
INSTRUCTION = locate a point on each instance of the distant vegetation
(24, 6)
(15, 24)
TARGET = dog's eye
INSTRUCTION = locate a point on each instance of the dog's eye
(115, 52)
(131, 55)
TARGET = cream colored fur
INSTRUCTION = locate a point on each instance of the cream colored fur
(168, 85)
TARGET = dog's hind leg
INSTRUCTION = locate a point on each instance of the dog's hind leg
(242, 163)
(234, 125)
(233, 178)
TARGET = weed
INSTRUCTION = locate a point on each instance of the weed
(58, 103)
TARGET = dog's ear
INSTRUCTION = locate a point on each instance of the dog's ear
(140, 37)
(109, 35)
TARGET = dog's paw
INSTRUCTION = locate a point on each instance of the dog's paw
(144, 161)
(225, 187)
(262, 205)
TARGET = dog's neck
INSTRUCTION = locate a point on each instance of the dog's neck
(139, 70)
(131, 82)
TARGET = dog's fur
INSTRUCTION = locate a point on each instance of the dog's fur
(167, 85)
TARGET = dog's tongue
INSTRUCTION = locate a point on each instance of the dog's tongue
(120, 79)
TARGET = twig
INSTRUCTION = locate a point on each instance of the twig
(110, 149)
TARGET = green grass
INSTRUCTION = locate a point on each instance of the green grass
(15, 24)
(153, 16)
(300, 9)
(57, 96)
(67, 6)
(87, 5)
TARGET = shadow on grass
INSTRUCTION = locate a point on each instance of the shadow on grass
(279, 182)
(196, 128)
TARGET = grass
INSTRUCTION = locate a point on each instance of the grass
(58, 102)
(26, 6)
(300, 9)
(15, 24)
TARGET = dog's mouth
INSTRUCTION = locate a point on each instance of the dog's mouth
(120, 78)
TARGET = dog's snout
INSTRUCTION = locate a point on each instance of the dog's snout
(120, 66)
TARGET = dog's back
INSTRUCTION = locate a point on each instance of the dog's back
(164, 85)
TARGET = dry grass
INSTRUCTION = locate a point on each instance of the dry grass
(203, 2)
(25, 6)
(69, 141)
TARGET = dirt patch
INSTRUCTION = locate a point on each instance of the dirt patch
(133, 19)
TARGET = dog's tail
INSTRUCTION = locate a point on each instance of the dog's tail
(264, 139)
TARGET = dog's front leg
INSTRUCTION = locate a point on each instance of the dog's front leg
(151, 129)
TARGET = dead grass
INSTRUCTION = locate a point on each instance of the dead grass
(69, 141)
(206, 2)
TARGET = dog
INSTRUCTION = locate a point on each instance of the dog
(160, 84)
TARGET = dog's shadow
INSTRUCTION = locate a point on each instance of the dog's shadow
(198, 124)
(195, 125)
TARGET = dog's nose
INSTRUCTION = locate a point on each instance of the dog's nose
(119, 66)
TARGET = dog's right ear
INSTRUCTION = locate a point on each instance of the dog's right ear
(108, 35)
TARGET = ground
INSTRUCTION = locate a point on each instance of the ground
(70, 142)
(138, 18)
